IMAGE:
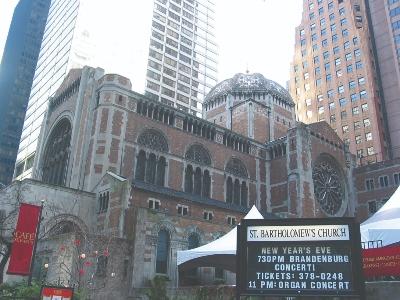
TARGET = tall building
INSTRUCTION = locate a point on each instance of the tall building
(116, 37)
(16, 74)
(183, 54)
(385, 23)
(333, 76)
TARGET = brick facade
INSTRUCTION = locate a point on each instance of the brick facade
(150, 168)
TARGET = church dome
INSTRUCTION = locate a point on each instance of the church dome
(248, 83)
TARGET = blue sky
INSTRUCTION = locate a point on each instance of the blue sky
(253, 34)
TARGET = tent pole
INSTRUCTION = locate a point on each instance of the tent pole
(177, 276)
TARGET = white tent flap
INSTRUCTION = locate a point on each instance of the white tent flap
(216, 250)
(384, 225)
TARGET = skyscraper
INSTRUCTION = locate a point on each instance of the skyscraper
(385, 23)
(333, 76)
(16, 74)
(183, 54)
(115, 36)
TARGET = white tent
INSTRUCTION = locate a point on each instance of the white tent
(219, 253)
(384, 225)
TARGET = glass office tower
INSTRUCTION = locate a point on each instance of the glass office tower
(182, 65)
(16, 74)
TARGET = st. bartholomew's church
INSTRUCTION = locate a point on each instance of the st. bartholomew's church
(127, 181)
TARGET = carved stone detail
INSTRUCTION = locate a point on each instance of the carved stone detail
(132, 105)
(198, 154)
(179, 123)
(328, 187)
(236, 168)
(153, 139)
(219, 137)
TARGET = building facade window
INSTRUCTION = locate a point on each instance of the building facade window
(154, 204)
(236, 188)
(163, 248)
(182, 210)
(103, 199)
(369, 184)
(396, 178)
(384, 181)
(368, 136)
(150, 165)
(197, 176)
(231, 220)
(370, 151)
(208, 215)
(56, 154)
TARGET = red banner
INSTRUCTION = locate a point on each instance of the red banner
(24, 238)
(56, 293)
(381, 261)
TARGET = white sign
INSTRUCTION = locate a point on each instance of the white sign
(298, 233)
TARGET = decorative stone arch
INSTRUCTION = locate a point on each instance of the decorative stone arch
(153, 139)
(167, 226)
(56, 152)
(193, 229)
(330, 186)
(66, 219)
(198, 154)
(236, 167)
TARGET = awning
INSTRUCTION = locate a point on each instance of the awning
(220, 253)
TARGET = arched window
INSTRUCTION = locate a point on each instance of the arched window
(162, 251)
(154, 140)
(161, 171)
(236, 168)
(243, 196)
(56, 154)
(198, 154)
(141, 166)
(151, 168)
(236, 192)
(206, 184)
(197, 181)
(194, 241)
(229, 190)
(189, 179)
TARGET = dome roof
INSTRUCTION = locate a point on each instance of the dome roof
(248, 83)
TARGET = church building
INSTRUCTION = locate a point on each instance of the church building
(129, 181)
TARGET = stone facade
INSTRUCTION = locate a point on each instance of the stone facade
(132, 181)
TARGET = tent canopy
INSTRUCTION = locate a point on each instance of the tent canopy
(220, 253)
(384, 225)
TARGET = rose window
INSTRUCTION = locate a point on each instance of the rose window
(328, 187)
